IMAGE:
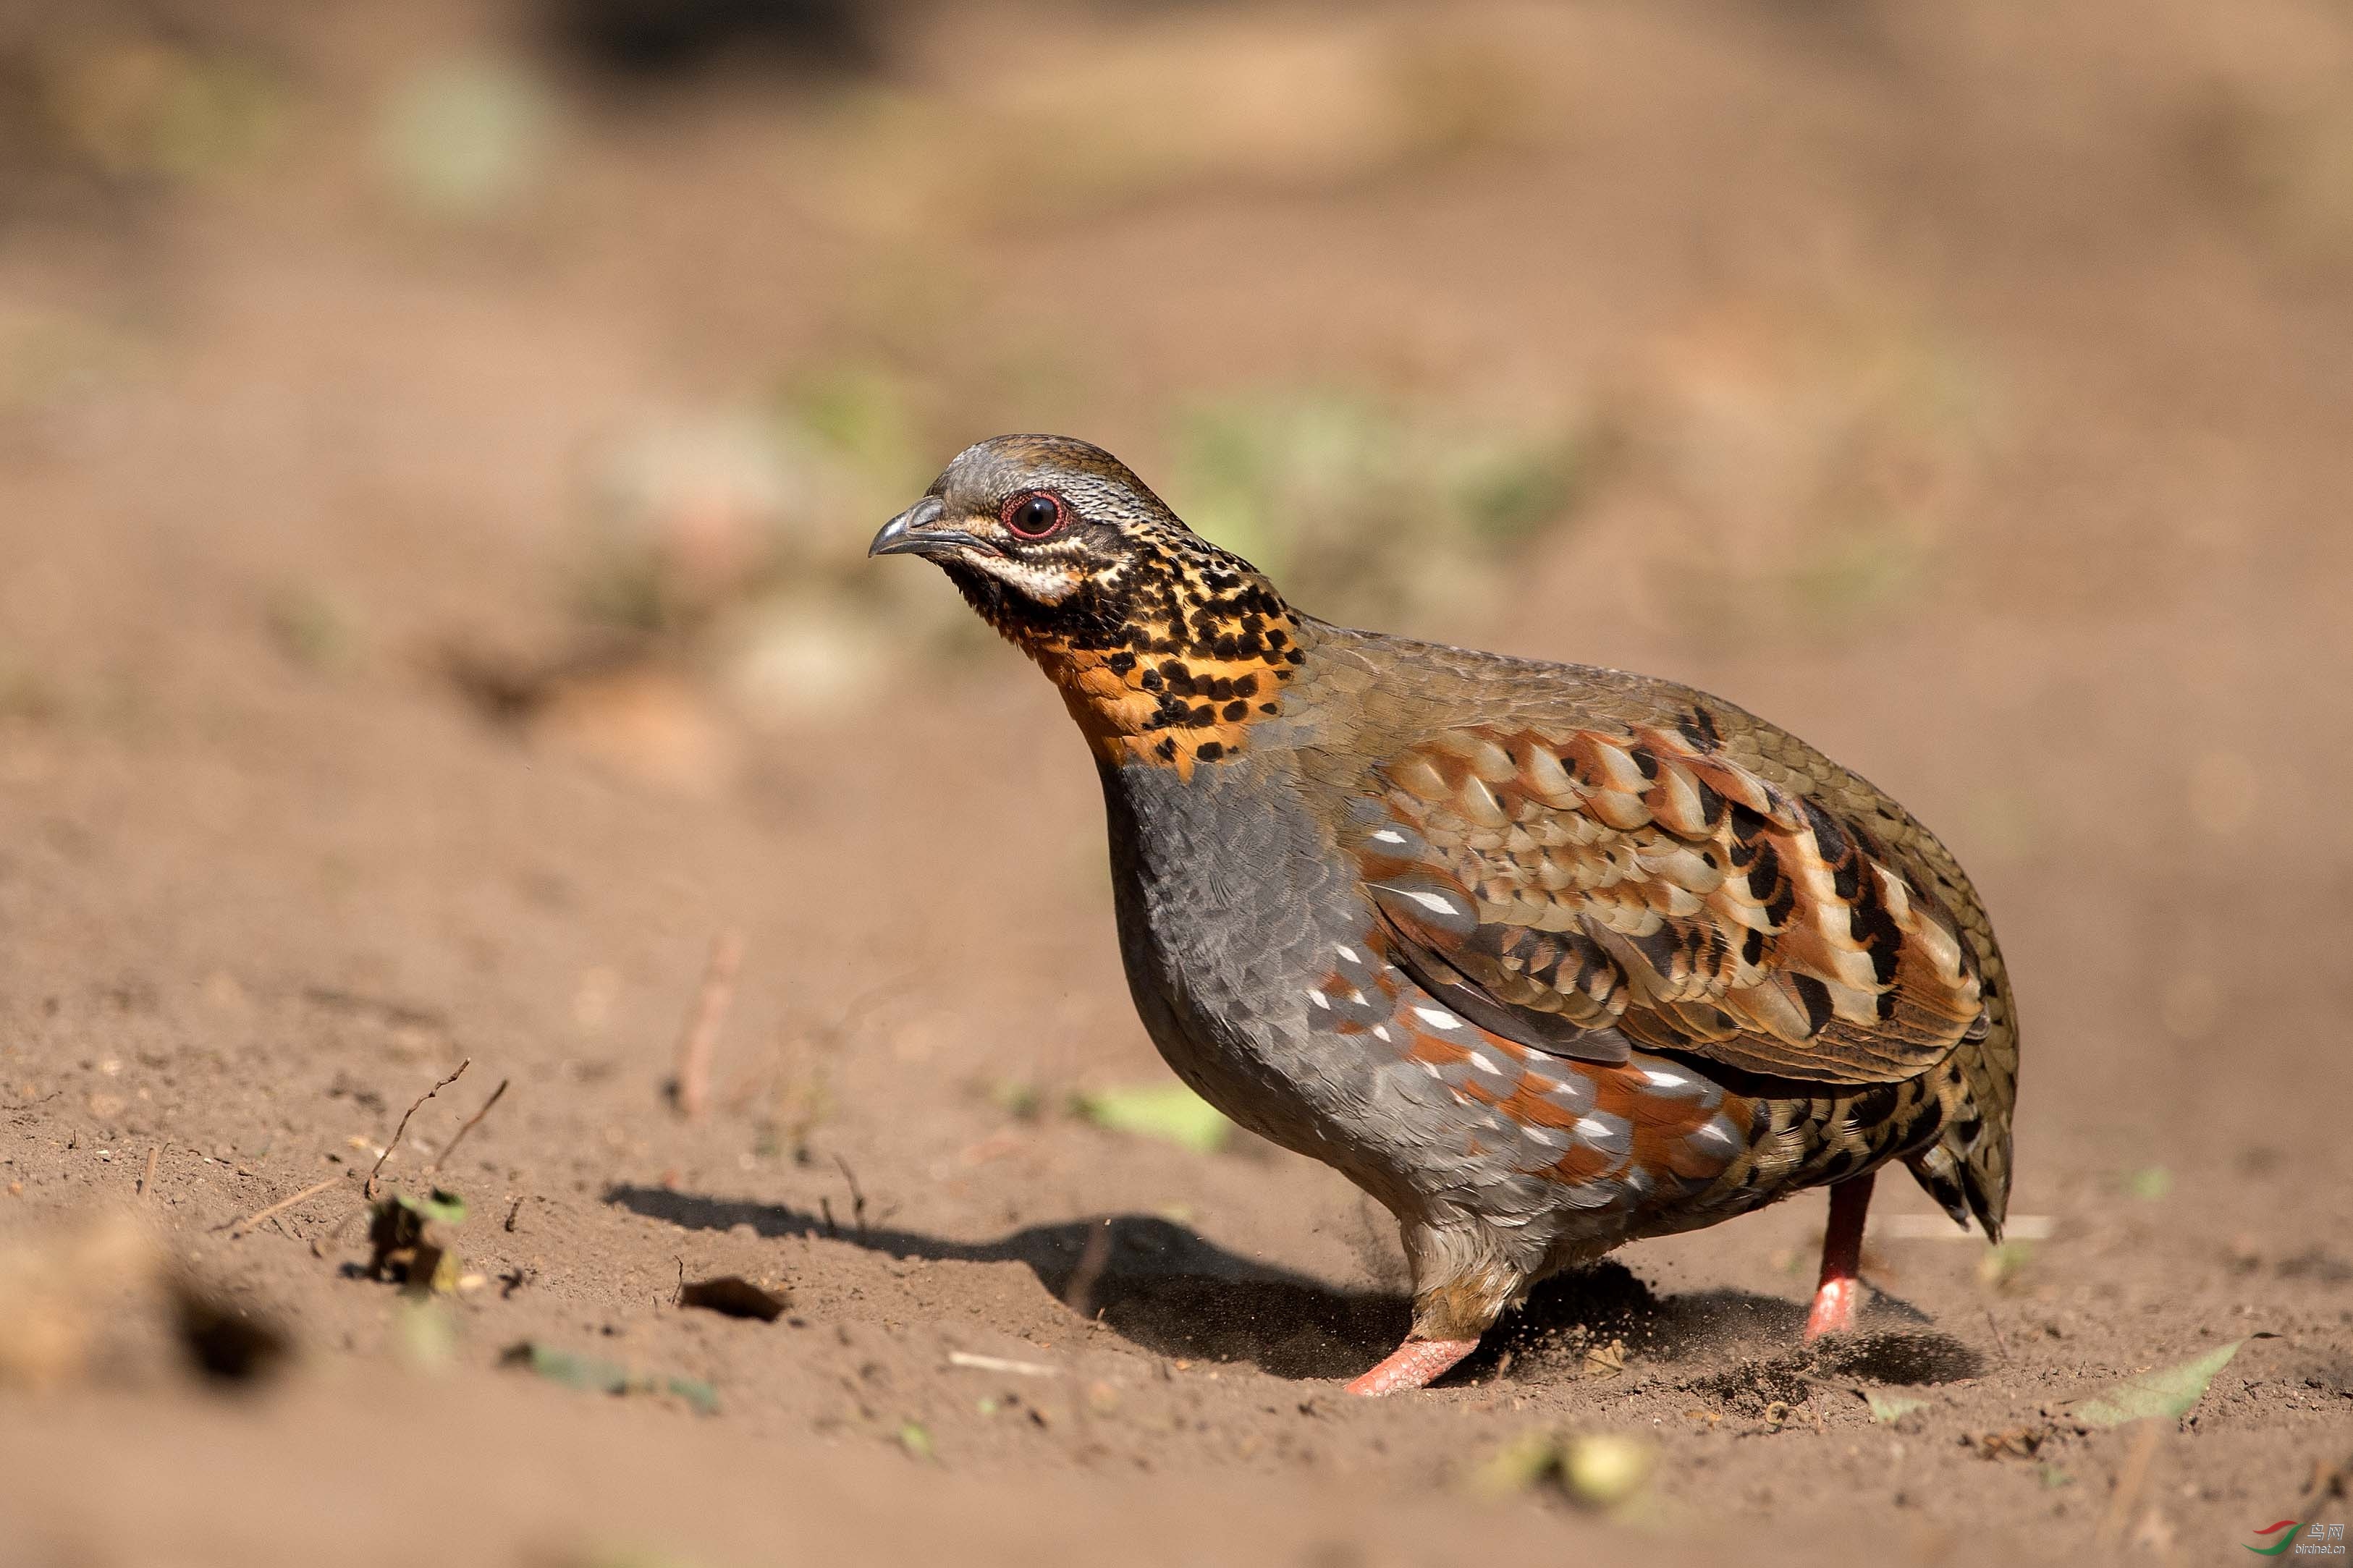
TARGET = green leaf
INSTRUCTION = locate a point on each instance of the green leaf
(594, 1374)
(1891, 1407)
(427, 1335)
(624, 1556)
(1168, 1111)
(1016, 1098)
(2169, 1392)
(442, 1206)
(1599, 1469)
(1519, 1464)
(2003, 1263)
(467, 137)
(696, 1393)
(1602, 1469)
(590, 1374)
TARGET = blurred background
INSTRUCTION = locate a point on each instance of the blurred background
(438, 443)
(1964, 389)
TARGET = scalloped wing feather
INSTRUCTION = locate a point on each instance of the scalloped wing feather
(1590, 886)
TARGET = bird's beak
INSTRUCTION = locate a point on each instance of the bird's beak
(916, 531)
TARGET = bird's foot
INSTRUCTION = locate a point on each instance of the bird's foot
(1417, 1364)
(1841, 1289)
(1833, 1310)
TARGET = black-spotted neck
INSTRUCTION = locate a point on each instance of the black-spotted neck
(1166, 660)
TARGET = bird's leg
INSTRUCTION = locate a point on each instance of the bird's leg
(1836, 1296)
(1417, 1364)
(1460, 1288)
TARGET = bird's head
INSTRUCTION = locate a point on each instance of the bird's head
(1165, 648)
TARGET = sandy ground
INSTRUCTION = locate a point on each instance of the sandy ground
(258, 895)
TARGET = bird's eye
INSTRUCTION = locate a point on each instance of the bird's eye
(1034, 514)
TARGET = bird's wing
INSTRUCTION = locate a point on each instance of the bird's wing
(1587, 890)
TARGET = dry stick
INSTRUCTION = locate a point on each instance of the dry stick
(701, 1033)
(1999, 1342)
(1003, 1364)
(450, 1147)
(257, 1216)
(856, 1194)
(367, 1188)
(2130, 1480)
(147, 1182)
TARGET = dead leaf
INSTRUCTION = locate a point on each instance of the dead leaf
(2017, 1443)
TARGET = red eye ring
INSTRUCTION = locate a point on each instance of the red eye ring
(1034, 514)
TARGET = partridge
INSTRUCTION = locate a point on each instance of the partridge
(1545, 957)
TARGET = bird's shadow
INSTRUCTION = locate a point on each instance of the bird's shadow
(1155, 1283)
(1168, 1289)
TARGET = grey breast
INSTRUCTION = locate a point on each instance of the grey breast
(1230, 901)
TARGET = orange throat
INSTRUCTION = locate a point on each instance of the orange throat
(1175, 701)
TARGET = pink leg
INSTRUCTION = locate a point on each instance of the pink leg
(1416, 1363)
(1840, 1290)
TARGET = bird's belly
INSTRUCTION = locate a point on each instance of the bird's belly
(1257, 971)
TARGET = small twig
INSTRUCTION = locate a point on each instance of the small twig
(367, 1188)
(257, 1216)
(856, 1194)
(2131, 1479)
(1002, 1363)
(1079, 1296)
(471, 1123)
(147, 1182)
(703, 1025)
(1999, 1342)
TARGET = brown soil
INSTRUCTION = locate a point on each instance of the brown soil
(263, 882)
